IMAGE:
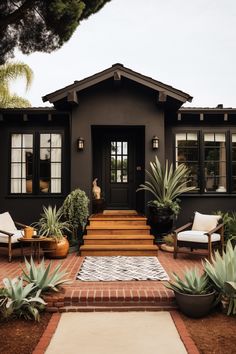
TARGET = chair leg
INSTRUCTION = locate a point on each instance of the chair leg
(9, 249)
(210, 251)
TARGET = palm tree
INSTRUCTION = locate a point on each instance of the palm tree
(12, 71)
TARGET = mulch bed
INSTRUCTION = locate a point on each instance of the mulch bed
(21, 336)
(214, 334)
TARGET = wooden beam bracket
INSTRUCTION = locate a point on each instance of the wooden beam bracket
(72, 97)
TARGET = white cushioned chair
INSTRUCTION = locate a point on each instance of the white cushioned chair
(9, 234)
(205, 232)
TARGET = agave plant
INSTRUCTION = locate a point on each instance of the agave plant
(41, 276)
(192, 284)
(166, 184)
(50, 224)
(22, 301)
(222, 272)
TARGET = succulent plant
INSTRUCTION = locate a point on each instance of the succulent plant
(41, 276)
(193, 283)
(21, 301)
(222, 272)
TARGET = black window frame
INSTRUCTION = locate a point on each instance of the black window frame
(228, 145)
(36, 163)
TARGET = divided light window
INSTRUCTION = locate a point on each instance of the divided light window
(187, 152)
(119, 162)
(36, 163)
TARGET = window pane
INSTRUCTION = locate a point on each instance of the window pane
(21, 162)
(56, 140)
(113, 148)
(45, 140)
(187, 152)
(56, 155)
(125, 148)
(119, 148)
(215, 162)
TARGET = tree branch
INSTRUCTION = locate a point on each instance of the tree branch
(17, 15)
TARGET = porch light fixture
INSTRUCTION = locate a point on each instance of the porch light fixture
(155, 143)
(80, 144)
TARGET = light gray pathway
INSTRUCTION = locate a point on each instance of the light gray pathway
(116, 333)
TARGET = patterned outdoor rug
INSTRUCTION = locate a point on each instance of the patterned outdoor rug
(120, 268)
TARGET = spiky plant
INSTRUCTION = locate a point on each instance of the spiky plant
(166, 184)
(50, 224)
(43, 277)
(193, 283)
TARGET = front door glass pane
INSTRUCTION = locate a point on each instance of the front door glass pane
(119, 162)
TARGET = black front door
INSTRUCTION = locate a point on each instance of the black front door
(120, 156)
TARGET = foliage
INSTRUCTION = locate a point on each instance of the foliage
(221, 271)
(41, 276)
(192, 284)
(41, 25)
(50, 223)
(8, 73)
(168, 240)
(21, 301)
(75, 209)
(166, 184)
(229, 220)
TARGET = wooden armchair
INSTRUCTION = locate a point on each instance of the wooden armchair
(9, 234)
(205, 232)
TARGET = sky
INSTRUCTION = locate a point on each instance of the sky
(188, 44)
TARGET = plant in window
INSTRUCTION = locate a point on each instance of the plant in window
(75, 210)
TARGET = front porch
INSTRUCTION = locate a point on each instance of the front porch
(108, 296)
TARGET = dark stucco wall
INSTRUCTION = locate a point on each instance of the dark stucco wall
(106, 104)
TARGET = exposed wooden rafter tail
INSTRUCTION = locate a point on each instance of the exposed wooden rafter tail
(72, 97)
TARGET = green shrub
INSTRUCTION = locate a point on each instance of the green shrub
(42, 277)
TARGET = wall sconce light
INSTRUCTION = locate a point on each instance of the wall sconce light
(155, 143)
(80, 144)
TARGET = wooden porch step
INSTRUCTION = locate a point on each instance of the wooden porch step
(118, 230)
(120, 212)
(118, 239)
(117, 221)
(118, 250)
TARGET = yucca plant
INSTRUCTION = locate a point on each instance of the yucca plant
(222, 272)
(50, 224)
(166, 184)
(22, 301)
(193, 283)
(43, 277)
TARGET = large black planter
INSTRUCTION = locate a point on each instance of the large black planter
(195, 306)
(161, 221)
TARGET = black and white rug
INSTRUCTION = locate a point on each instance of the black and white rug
(120, 268)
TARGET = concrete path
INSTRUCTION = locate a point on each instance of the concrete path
(116, 333)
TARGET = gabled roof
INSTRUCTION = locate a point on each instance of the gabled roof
(117, 71)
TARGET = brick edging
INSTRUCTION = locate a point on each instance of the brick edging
(47, 335)
(184, 334)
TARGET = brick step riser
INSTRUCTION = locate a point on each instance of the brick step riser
(117, 253)
(118, 242)
(115, 223)
(118, 232)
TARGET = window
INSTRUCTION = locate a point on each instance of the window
(215, 162)
(119, 162)
(36, 163)
(187, 152)
(211, 162)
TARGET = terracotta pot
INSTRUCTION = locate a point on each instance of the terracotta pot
(195, 305)
(59, 249)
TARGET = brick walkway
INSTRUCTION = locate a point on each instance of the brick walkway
(104, 296)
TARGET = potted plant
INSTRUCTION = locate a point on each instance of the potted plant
(75, 210)
(51, 225)
(168, 243)
(194, 294)
(165, 184)
(222, 272)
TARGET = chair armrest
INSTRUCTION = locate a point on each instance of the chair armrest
(6, 233)
(218, 227)
(20, 224)
(184, 227)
